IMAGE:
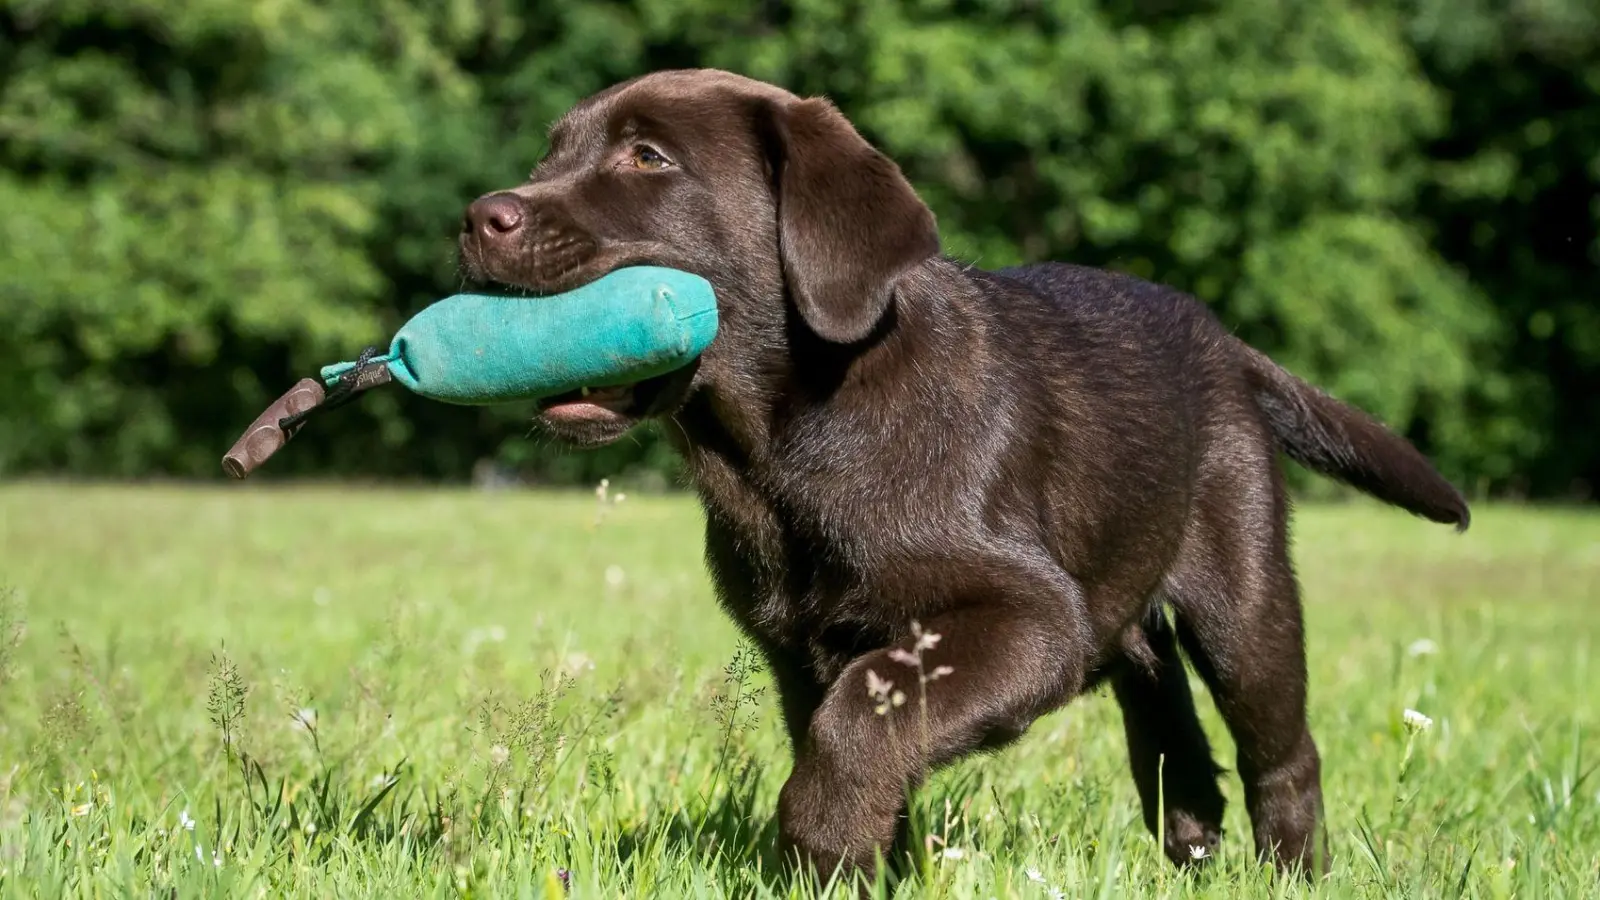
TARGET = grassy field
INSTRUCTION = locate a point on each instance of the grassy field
(326, 693)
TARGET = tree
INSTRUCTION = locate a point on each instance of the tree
(1511, 200)
(201, 203)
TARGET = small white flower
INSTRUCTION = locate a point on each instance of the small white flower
(199, 853)
(1422, 647)
(82, 809)
(1197, 853)
(311, 828)
(954, 853)
(882, 690)
(1037, 877)
(216, 859)
(185, 821)
(498, 755)
(876, 686)
(382, 780)
(1416, 721)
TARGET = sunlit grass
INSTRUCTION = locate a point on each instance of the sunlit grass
(405, 693)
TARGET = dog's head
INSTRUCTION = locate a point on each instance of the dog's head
(776, 200)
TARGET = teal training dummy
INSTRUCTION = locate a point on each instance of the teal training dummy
(476, 349)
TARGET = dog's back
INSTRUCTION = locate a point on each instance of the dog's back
(1316, 430)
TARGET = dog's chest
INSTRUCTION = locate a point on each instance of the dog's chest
(771, 574)
(821, 579)
(817, 545)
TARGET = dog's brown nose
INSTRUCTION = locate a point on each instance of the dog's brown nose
(494, 217)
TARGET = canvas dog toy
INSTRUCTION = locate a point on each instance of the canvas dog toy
(477, 349)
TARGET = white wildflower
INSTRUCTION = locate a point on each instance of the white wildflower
(1198, 853)
(877, 687)
(498, 754)
(882, 690)
(1037, 877)
(1416, 721)
(311, 828)
(185, 821)
(1422, 647)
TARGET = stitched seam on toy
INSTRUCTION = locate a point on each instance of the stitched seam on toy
(665, 293)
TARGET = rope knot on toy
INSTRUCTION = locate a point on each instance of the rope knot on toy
(368, 371)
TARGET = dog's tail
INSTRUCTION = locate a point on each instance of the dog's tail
(1348, 445)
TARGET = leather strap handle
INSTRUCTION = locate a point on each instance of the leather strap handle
(265, 436)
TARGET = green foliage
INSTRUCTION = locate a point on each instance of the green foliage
(200, 203)
(1510, 196)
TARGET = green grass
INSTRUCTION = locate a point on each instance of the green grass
(547, 692)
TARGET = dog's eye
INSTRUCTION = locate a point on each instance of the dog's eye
(647, 157)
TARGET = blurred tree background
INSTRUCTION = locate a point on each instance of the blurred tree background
(201, 202)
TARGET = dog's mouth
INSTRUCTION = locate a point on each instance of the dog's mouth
(612, 405)
(591, 404)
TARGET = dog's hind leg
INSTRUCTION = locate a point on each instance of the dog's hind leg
(1238, 617)
(1167, 748)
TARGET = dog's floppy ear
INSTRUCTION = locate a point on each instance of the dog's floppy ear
(849, 223)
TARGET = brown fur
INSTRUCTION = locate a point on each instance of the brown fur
(1035, 463)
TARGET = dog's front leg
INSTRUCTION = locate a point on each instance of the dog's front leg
(977, 674)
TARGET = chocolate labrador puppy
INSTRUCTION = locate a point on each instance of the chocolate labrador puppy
(1032, 464)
